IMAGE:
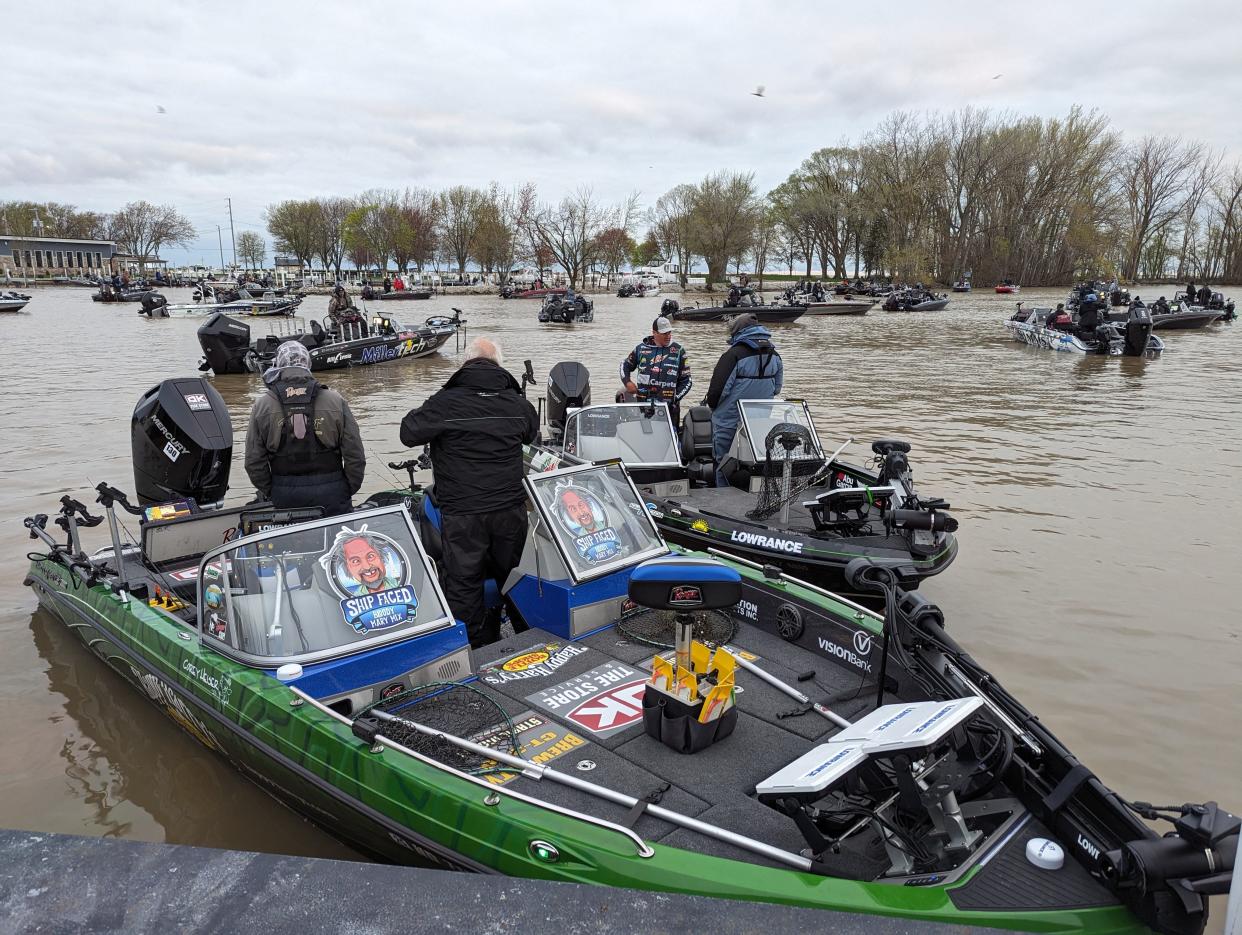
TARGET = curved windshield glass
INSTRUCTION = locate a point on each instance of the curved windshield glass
(597, 518)
(760, 416)
(636, 433)
(319, 589)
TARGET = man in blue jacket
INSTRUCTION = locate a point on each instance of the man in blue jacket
(750, 369)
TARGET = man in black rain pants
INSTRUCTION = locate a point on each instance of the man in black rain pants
(303, 447)
(476, 426)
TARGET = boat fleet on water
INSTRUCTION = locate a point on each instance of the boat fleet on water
(1099, 318)
(732, 690)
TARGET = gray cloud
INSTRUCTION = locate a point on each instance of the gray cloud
(275, 100)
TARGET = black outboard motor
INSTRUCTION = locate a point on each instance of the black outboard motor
(569, 387)
(182, 443)
(670, 307)
(225, 343)
(154, 305)
(1138, 330)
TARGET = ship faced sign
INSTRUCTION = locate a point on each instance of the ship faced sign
(604, 701)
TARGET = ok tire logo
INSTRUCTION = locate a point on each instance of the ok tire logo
(612, 710)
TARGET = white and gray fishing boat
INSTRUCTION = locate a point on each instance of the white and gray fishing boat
(13, 301)
(1130, 338)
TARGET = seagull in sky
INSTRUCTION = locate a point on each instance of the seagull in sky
(758, 92)
(1001, 75)
(159, 109)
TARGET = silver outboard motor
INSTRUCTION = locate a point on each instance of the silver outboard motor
(182, 443)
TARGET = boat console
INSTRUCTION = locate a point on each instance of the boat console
(589, 529)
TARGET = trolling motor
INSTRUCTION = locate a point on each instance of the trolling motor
(1195, 860)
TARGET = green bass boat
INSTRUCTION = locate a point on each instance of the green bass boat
(863, 762)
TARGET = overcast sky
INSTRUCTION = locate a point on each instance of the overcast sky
(270, 100)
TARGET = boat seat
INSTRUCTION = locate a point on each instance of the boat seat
(685, 584)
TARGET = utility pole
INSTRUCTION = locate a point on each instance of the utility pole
(232, 236)
(220, 238)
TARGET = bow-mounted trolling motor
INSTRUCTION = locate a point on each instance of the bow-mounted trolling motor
(922, 521)
(1163, 880)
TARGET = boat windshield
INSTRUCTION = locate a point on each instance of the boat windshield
(318, 590)
(596, 517)
(760, 416)
(639, 434)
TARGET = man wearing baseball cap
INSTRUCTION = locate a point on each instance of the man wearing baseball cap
(658, 370)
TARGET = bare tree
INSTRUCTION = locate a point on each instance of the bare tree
(461, 213)
(328, 224)
(1154, 177)
(141, 229)
(251, 249)
(414, 237)
(764, 243)
(570, 231)
(724, 211)
(670, 225)
(504, 217)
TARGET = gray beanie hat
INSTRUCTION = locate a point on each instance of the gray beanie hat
(292, 354)
(738, 322)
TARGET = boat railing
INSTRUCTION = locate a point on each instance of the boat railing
(541, 772)
(641, 846)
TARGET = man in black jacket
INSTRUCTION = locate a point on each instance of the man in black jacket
(476, 426)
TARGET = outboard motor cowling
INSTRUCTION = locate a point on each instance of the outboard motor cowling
(569, 387)
(182, 443)
(670, 307)
(154, 305)
(1138, 330)
(225, 342)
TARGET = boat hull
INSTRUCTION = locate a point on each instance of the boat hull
(13, 305)
(769, 314)
(1184, 321)
(406, 295)
(839, 308)
(933, 305)
(410, 810)
(1052, 340)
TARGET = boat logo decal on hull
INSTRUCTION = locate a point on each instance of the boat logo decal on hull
(772, 543)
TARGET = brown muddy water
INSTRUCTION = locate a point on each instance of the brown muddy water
(1098, 500)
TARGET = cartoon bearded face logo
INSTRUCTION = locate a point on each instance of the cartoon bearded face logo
(362, 562)
(579, 511)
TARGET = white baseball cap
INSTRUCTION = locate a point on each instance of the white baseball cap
(662, 325)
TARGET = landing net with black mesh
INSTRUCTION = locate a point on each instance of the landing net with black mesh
(452, 708)
(659, 628)
(787, 445)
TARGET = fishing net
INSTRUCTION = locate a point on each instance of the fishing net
(453, 708)
(659, 628)
(792, 463)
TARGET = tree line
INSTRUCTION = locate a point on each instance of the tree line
(931, 197)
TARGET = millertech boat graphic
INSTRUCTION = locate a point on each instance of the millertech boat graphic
(862, 761)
